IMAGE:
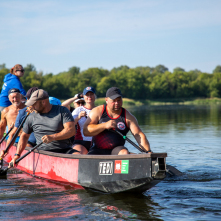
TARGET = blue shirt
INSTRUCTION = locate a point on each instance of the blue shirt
(17, 138)
(10, 81)
(21, 115)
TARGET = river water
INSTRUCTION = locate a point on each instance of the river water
(191, 135)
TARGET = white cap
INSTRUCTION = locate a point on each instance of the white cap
(80, 99)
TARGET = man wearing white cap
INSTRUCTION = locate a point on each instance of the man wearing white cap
(52, 124)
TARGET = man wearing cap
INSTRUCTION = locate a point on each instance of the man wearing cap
(9, 114)
(21, 115)
(52, 124)
(111, 116)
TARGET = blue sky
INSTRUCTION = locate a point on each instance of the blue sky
(56, 35)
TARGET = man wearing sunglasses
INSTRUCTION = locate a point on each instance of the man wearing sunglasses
(11, 80)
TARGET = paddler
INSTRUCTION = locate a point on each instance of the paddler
(9, 114)
(21, 115)
(104, 119)
(52, 124)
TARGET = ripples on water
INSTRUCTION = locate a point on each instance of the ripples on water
(191, 137)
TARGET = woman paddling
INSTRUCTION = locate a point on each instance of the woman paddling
(82, 144)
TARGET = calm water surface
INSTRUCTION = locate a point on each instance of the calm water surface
(191, 135)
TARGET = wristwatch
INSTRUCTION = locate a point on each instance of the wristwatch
(17, 154)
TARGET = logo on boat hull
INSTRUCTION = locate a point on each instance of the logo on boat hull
(121, 125)
(106, 168)
(121, 166)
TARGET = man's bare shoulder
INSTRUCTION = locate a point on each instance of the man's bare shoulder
(129, 116)
(98, 110)
(5, 111)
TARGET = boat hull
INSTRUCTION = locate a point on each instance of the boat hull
(105, 173)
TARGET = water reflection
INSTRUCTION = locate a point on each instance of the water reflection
(180, 118)
(27, 198)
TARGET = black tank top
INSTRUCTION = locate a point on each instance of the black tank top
(108, 139)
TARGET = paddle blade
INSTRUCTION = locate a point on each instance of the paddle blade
(172, 171)
(3, 174)
(1, 163)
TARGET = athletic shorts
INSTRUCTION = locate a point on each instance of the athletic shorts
(33, 144)
(115, 151)
(86, 144)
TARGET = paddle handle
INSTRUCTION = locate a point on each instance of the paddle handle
(16, 134)
(3, 138)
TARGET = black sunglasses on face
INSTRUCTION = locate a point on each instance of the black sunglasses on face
(80, 103)
(20, 70)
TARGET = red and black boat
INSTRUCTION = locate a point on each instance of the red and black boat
(104, 173)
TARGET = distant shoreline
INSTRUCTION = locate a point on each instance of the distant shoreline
(183, 101)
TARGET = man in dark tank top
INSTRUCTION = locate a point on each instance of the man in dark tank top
(104, 119)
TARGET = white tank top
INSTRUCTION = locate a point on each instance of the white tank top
(79, 134)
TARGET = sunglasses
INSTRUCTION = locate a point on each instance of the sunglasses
(82, 103)
(20, 70)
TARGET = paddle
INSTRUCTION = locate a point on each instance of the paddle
(16, 134)
(172, 171)
(13, 139)
(3, 172)
(3, 138)
(130, 141)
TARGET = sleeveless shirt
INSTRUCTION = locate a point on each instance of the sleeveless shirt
(108, 139)
(80, 124)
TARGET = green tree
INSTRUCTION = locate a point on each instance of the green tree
(160, 69)
(178, 69)
(217, 69)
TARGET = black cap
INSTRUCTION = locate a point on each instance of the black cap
(30, 91)
(14, 90)
(113, 93)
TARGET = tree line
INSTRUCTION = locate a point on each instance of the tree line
(136, 83)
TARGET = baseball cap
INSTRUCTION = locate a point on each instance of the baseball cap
(54, 101)
(88, 89)
(14, 90)
(38, 95)
(30, 91)
(113, 93)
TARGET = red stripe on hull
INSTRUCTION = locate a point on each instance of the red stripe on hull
(49, 167)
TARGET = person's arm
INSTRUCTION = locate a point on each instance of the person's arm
(80, 115)
(68, 131)
(21, 146)
(137, 132)
(3, 122)
(68, 102)
(20, 87)
(91, 126)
